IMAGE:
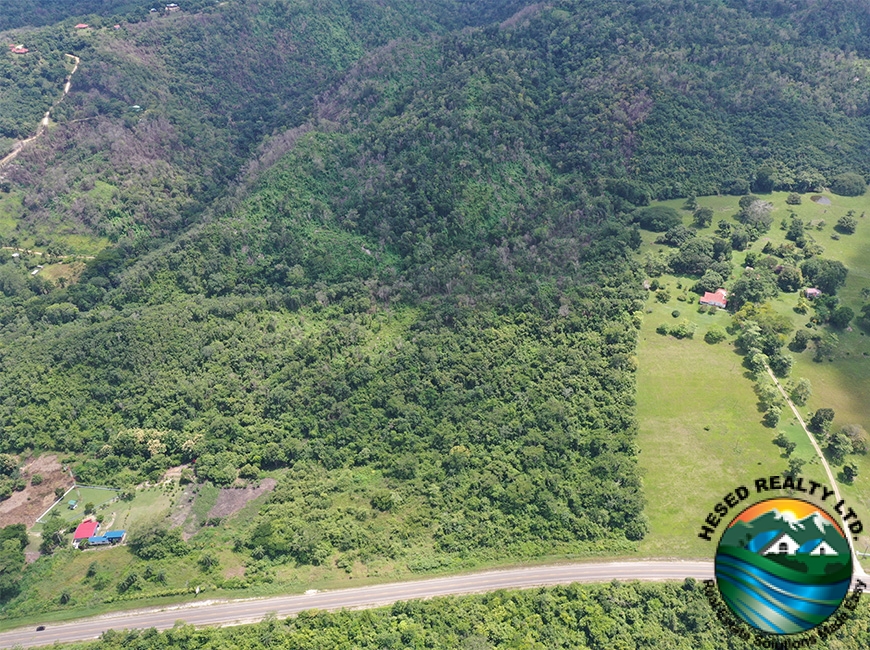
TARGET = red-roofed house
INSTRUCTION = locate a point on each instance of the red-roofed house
(87, 528)
(19, 50)
(812, 292)
(716, 299)
(82, 26)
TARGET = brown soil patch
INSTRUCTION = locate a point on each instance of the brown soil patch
(174, 473)
(25, 506)
(184, 506)
(231, 500)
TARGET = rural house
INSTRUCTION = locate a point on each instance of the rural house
(717, 299)
(88, 528)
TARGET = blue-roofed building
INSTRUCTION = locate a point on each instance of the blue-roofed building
(99, 540)
(115, 536)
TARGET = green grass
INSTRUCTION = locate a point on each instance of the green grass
(700, 430)
(840, 384)
(83, 495)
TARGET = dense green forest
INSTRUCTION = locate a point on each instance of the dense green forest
(601, 617)
(353, 235)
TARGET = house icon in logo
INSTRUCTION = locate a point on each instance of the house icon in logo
(782, 544)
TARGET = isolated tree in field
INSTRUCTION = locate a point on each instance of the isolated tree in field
(153, 541)
(746, 200)
(858, 435)
(821, 420)
(793, 199)
(842, 316)
(795, 230)
(715, 335)
(771, 416)
(702, 217)
(846, 224)
(802, 306)
(795, 465)
(756, 216)
(850, 472)
(838, 447)
(801, 391)
(784, 443)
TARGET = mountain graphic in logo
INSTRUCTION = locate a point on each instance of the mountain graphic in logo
(783, 566)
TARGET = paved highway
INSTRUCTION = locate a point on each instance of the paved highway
(249, 611)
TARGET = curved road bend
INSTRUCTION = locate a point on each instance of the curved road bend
(249, 611)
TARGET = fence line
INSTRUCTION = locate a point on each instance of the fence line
(39, 518)
(74, 487)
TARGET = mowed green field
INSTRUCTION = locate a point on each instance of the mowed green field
(685, 386)
(700, 431)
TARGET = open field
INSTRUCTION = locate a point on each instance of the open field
(676, 377)
(700, 430)
(100, 497)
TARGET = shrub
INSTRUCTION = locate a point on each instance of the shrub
(793, 199)
(675, 313)
(846, 224)
(684, 330)
(715, 335)
(36, 479)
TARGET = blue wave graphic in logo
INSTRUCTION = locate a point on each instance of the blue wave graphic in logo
(772, 603)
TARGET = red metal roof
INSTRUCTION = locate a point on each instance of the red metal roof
(717, 298)
(86, 529)
(82, 26)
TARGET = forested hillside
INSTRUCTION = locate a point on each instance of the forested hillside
(390, 261)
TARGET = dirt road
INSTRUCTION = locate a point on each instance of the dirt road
(19, 146)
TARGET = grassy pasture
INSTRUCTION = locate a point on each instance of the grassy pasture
(100, 497)
(683, 462)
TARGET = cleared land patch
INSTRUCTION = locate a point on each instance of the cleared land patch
(681, 381)
(231, 500)
(25, 506)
